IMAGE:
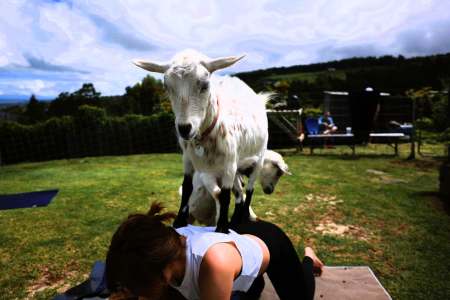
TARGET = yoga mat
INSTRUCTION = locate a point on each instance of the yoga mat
(24, 200)
(339, 283)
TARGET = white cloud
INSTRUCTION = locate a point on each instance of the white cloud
(33, 86)
(28, 87)
(102, 37)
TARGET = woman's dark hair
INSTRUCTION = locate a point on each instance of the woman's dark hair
(140, 249)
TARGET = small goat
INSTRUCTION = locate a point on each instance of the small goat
(220, 122)
(203, 203)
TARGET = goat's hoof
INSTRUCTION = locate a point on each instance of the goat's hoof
(222, 228)
(180, 222)
(245, 217)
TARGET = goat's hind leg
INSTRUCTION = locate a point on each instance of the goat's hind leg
(248, 195)
(224, 199)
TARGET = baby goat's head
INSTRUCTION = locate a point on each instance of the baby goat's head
(187, 82)
(274, 167)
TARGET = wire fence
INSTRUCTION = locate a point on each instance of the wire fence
(75, 137)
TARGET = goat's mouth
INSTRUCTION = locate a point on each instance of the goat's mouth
(187, 137)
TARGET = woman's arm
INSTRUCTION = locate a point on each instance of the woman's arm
(221, 264)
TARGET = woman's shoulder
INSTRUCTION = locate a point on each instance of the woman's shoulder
(191, 230)
(222, 256)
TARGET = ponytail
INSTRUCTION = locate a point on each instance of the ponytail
(155, 212)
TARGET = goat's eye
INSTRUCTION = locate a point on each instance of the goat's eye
(203, 85)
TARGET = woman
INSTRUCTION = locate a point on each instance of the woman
(146, 256)
(326, 123)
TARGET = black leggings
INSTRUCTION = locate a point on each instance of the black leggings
(291, 278)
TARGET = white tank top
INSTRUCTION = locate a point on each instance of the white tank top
(198, 241)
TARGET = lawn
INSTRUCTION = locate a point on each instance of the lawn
(375, 210)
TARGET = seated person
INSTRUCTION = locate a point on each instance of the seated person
(326, 124)
(146, 257)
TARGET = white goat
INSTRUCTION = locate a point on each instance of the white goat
(203, 203)
(220, 122)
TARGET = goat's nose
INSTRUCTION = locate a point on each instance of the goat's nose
(184, 130)
(268, 190)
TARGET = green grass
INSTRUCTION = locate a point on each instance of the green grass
(394, 222)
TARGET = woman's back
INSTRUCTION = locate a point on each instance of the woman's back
(199, 240)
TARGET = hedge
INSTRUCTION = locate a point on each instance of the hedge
(88, 133)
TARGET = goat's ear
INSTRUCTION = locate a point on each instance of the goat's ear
(151, 66)
(221, 62)
(284, 168)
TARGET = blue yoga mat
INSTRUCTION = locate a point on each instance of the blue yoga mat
(24, 200)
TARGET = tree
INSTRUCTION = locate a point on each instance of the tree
(87, 92)
(67, 104)
(146, 97)
(35, 110)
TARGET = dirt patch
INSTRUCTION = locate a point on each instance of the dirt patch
(383, 177)
(327, 223)
(322, 198)
(375, 172)
(331, 228)
(391, 180)
(49, 280)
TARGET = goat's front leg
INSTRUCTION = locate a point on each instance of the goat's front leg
(183, 212)
(224, 198)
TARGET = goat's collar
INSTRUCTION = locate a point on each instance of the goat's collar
(213, 124)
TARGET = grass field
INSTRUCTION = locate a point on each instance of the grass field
(375, 210)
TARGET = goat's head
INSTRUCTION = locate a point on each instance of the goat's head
(187, 82)
(274, 167)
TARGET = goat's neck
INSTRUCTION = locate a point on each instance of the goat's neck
(211, 112)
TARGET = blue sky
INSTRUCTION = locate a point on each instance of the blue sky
(47, 47)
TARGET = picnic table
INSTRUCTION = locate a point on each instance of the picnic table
(390, 138)
(321, 140)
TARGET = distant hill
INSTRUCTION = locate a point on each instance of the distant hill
(389, 73)
(9, 99)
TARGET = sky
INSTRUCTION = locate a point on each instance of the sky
(48, 47)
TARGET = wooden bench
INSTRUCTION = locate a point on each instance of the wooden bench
(321, 140)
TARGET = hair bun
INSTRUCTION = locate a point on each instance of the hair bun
(155, 212)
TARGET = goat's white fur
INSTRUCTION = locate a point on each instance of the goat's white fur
(203, 203)
(241, 128)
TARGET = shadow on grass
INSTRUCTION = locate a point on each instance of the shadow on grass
(438, 200)
(340, 156)
(420, 162)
